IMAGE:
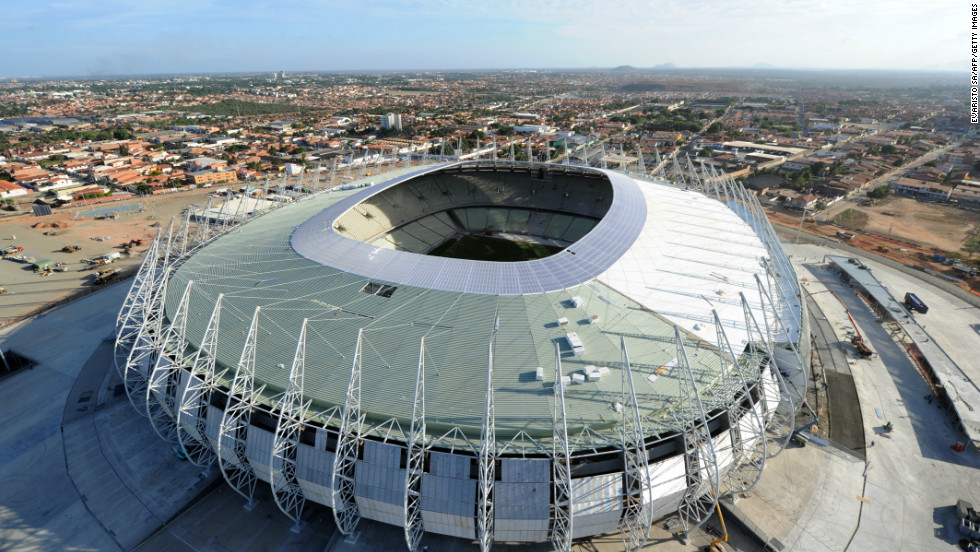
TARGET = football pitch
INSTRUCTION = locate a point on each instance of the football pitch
(484, 248)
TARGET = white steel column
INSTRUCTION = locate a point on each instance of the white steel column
(345, 512)
(132, 313)
(561, 528)
(192, 416)
(488, 464)
(781, 416)
(144, 351)
(700, 462)
(746, 428)
(233, 434)
(635, 523)
(164, 381)
(292, 412)
(416, 459)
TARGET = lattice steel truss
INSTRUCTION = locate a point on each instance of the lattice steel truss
(345, 511)
(192, 416)
(746, 428)
(635, 523)
(292, 413)
(164, 381)
(416, 459)
(561, 474)
(145, 346)
(133, 311)
(233, 433)
(488, 462)
(700, 461)
(781, 417)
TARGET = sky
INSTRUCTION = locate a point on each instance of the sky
(126, 37)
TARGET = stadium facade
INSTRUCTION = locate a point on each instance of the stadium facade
(644, 368)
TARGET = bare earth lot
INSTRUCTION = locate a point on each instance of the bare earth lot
(929, 224)
(28, 292)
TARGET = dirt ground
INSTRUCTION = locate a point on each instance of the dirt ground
(918, 230)
(931, 225)
(43, 238)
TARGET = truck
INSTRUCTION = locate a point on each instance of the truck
(10, 249)
(913, 302)
(939, 258)
(71, 248)
(105, 276)
(108, 258)
(844, 235)
(43, 265)
(966, 269)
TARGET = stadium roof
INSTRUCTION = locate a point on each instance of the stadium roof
(681, 254)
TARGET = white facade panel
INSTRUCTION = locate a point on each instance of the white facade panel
(258, 450)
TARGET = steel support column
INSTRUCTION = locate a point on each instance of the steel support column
(488, 460)
(781, 416)
(746, 428)
(561, 523)
(635, 523)
(412, 510)
(233, 434)
(345, 511)
(192, 416)
(700, 462)
(164, 381)
(292, 412)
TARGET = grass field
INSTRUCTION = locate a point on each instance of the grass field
(483, 248)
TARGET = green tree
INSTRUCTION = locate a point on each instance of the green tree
(889, 149)
(123, 150)
(143, 188)
(706, 152)
(881, 192)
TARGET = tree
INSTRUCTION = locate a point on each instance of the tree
(715, 128)
(123, 150)
(881, 192)
(889, 149)
(143, 188)
(706, 152)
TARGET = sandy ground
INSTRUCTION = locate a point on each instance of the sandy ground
(44, 237)
(928, 224)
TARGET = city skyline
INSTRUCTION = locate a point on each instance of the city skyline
(120, 37)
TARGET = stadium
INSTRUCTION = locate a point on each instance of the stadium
(497, 351)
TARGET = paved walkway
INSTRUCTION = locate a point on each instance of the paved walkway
(79, 469)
